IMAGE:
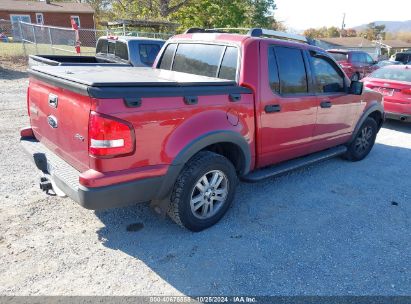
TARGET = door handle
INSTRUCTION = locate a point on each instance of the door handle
(326, 104)
(272, 108)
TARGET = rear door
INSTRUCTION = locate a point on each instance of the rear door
(59, 119)
(336, 108)
(287, 109)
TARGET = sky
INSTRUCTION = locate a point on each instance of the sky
(303, 14)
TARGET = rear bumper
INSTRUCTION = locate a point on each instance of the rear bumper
(398, 116)
(66, 178)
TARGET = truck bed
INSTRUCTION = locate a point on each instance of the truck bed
(113, 82)
(62, 60)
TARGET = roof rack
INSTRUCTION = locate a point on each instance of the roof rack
(253, 32)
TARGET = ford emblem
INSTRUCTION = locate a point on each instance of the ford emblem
(52, 121)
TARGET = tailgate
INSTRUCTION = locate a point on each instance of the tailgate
(59, 119)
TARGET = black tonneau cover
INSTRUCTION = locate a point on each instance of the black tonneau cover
(121, 82)
(101, 76)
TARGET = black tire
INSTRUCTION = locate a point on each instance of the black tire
(355, 77)
(206, 164)
(363, 141)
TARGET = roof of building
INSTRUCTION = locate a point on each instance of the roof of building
(349, 42)
(396, 44)
(44, 7)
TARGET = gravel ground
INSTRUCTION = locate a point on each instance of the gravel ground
(336, 228)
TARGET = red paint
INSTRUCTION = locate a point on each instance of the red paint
(351, 67)
(397, 94)
(164, 126)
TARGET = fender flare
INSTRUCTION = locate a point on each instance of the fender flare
(374, 107)
(196, 146)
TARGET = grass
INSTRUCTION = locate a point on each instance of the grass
(10, 50)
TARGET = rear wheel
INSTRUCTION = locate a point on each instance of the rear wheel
(363, 141)
(203, 192)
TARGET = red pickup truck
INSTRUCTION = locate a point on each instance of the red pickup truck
(216, 107)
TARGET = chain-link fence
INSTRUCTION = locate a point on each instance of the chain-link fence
(23, 39)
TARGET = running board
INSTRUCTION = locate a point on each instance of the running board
(293, 164)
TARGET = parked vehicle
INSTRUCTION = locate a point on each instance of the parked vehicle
(127, 51)
(403, 57)
(384, 63)
(394, 82)
(356, 64)
(216, 108)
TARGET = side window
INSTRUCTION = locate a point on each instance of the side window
(167, 58)
(328, 77)
(356, 57)
(199, 59)
(121, 50)
(228, 69)
(291, 68)
(148, 53)
(273, 71)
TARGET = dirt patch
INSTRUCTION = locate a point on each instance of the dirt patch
(13, 67)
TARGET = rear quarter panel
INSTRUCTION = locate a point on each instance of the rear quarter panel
(164, 126)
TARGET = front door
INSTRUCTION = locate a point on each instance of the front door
(336, 108)
(287, 109)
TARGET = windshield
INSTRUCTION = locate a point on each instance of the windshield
(393, 74)
(339, 56)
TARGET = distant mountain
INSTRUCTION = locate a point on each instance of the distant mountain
(390, 26)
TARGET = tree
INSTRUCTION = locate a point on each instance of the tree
(374, 32)
(322, 32)
(226, 13)
(349, 33)
(149, 9)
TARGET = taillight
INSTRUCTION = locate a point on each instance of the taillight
(406, 91)
(109, 136)
(367, 85)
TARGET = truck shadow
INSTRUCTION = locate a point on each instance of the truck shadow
(398, 126)
(11, 74)
(314, 231)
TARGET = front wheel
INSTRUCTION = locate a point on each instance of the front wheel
(363, 141)
(203, 192)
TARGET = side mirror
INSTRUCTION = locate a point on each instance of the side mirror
(356, 87)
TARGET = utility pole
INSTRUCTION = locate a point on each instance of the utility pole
(342, 26)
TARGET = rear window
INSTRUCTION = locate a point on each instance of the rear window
(121, 50)
(198, 59)
(201, 59)
(390, 73)
(111, 47)
(101, 46)
(228, 69)
(148, 53)
(339, 56)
